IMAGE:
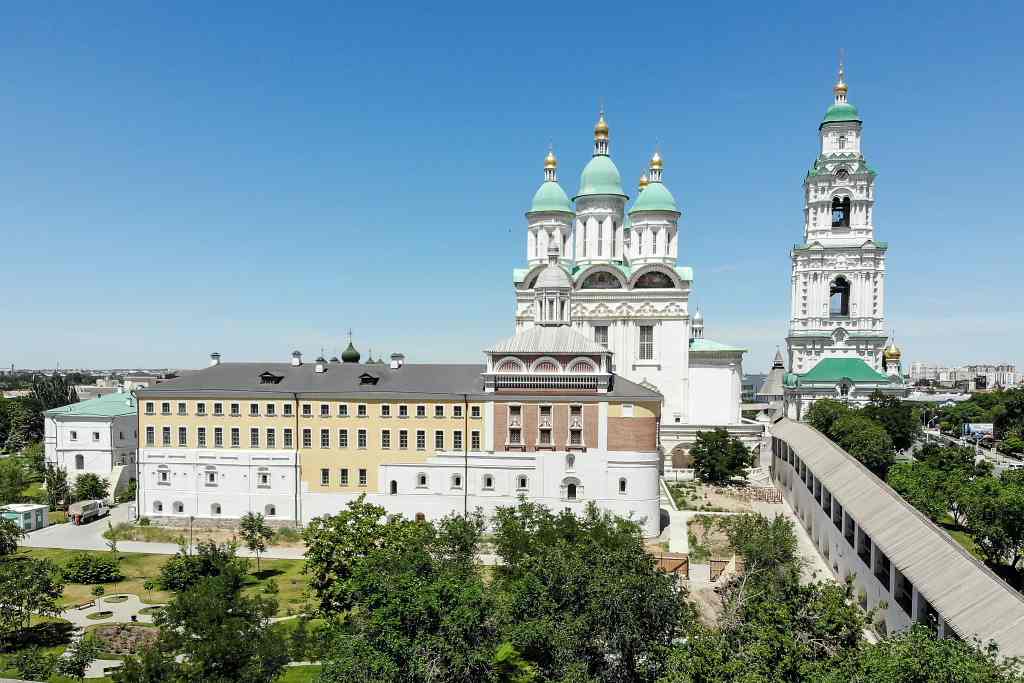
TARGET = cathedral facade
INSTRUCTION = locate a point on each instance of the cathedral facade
(623, 287)
(837, 333)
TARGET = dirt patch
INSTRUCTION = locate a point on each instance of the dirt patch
(708, 603)
(125, 639)
(706, 532)
(692, 495)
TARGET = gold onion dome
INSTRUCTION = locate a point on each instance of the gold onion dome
(551, 161)
(840, 87)
(656, 161)
(601, 128)
(892, 352)
(644, 181)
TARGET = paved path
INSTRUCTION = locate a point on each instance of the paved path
(121, 613)
(90, 537)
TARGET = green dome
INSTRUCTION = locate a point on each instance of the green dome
(550, 197)
(841, 112)
(350, 355)
(600, 177)
(655, 197)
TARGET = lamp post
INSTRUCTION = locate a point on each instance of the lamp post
(190, 518)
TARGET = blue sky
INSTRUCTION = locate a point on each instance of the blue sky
(250, 179)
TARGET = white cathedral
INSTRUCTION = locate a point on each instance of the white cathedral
(620, 284)
(837, 336)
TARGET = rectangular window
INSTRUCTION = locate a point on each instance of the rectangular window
(165, 435)
(95, 436)
(211, 478)
(150, 436)
(218, 437)
(271, 410)
(515, 436)
(325, 477)
(456, 411)
(165, 476)
(601, 335)
(385, 438)
(457, 440)
(264, 480)
(385, 410)
(200, 409)
(307, 410)
(288, 438)
(344, 476)
(438, 441)
(165, 408)
(218, 409)
(325, 438)
(182, 408)
(271, 439)
(342, 438)
(403, 411)
(307, 438)
(646, 342)
(236, 409)
(421, 411)
(403, 439)
(254, 409)
(361, 438)
(421, 440)
(474, 412)
(361, 410)
(288, 409)
(343, 410)
(236, 437)
(182, 436)
(474, 440)
(325, 410)
(362, 477)
(150, 408)
(254, 437)
(438, 411)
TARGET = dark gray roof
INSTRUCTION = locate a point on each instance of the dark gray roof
(342, 380)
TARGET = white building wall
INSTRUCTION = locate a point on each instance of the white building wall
(237, 485)
(103, 444)
(715, 388)
(597, 474)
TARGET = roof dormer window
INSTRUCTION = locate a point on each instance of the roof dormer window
(270, 378)
(367, 378)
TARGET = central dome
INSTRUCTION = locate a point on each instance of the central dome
(600, 177)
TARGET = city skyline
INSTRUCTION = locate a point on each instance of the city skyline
(254, 188)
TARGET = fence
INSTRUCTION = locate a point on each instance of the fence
(675, 563)
(756, 494)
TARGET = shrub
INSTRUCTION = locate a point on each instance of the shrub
(34, 663)
(144, 521)
(92, 569)
(184, 570)
(287, 534)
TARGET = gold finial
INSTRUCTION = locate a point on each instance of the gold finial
(840, 86)
(656, 161)
(644, 181)
(601, 127)
(551, 161)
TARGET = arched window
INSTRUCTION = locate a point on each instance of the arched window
(622, 485)
(601, 280)
(420, 517)
(839, 297)
(522, 483)
(179, 507)
(488, 482)
(215, 509)
(570, 461)
(840, 212)
(654, 280)
(158, 506)
(270, 510)
(421, 480)
(570, 491)
(394, 487)
(456, 481)
(508, 365)
(842, 142)
(79, 462)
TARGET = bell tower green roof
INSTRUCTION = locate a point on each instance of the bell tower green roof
(841, 112)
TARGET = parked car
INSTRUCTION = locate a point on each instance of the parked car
(87, 510)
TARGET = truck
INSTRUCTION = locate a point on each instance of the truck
(85, 511)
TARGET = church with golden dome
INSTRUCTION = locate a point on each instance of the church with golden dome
(839, 346)
(610, 270)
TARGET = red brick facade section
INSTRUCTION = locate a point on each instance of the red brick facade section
(559, 427)
(632, 433)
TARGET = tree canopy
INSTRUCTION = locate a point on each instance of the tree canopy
(718, 458)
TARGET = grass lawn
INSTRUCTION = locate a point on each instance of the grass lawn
(138, 567)
(299, 674)
(962, 537)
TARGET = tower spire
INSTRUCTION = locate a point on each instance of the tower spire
(840, 87)
(550, 165)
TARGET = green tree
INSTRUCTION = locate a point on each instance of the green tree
(78, 657)
(225, 636)
(255, 533)
(865, 440)
(10, 534)
(1013, 444)
(719, 458)
(35, 663)
(57, 489)
(13, 480)
(917, 656)
(185, 569)
(151, 665)
(918, 484)
(824, 413)
(24, 424)
(52, 392)
(1010, 420)
(994, 512)
(90, 486)
(27, 587)
(34, 457)
(901, 421)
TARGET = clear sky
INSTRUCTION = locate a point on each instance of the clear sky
(251, 179)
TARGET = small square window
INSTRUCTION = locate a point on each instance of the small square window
(264, 479)
(182, 408)
(200, 409)
(271, 410)
(165, 408)
(438, 411)
(421, 411)
(218, 408)
(456, 411)
(385, 410)
(287, 409)
(361, 410)
(307, 410)
(343, 410)
(211, 477)
(325, 410)
(403, 411)
(254, 409)
(95, 436)
(236, 409)
(150, 408)
(474, 412)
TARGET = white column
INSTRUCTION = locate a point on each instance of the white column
(488, 426)
(602, 426)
